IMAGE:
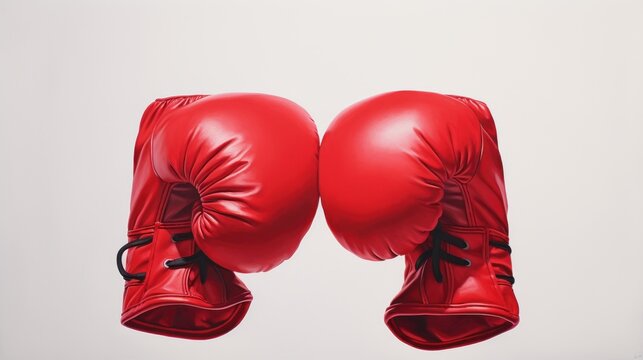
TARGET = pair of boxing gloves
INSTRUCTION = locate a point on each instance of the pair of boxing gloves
(231, 183)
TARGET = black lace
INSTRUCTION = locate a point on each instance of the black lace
(119, 258)
(436, 253)
(197, 258)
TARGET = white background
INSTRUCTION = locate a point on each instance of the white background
(564, 81)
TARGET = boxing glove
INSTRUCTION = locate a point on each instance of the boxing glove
(222, 184)
(419, 174)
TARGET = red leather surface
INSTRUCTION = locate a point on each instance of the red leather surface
(239, 171)
(392, 168)
(253, 159)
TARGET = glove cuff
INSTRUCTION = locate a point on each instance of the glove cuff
(172, 289)
(457, 290)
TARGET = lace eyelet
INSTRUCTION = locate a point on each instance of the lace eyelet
(468, 263)
(466, 245)
(165, 265)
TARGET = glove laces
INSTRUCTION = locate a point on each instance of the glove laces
(436, 253)
(197, 258)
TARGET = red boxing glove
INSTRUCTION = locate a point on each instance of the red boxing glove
(419, 174)
(221, 184)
